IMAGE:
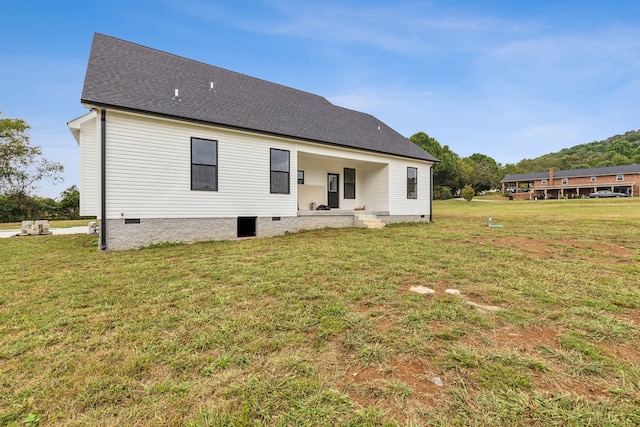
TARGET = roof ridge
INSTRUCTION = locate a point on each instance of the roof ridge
(214, 66)
(130, 76)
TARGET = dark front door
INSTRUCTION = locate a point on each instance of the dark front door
(333, 197)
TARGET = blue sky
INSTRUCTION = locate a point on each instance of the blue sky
(510, 79)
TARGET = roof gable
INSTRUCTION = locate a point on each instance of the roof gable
(129, 76)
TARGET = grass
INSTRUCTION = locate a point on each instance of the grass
(319, 328)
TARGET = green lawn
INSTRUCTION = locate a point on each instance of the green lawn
(320, 328)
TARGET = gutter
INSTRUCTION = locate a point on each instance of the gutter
(101, 105)
(431, 197)
(103, 179)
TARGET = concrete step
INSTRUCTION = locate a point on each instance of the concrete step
(368, 221)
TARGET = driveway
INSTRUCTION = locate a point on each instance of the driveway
(69, 230)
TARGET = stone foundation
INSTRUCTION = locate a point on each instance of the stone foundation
(121, 235)
(135, 233)
(268, 227)
(390, 219)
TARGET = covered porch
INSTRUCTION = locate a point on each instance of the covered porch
(578, 191)
(329, 185)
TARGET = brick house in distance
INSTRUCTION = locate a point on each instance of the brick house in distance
(574, 183)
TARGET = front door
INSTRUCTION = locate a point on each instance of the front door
(333, 196)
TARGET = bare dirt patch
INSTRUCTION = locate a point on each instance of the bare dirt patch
(542, 248)
(591, 390)
(623, 352)
(415, 373)
(524, 339)
(399, 388)
(634, 315)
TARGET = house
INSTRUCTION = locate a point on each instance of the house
(177, 150)
(574, 183)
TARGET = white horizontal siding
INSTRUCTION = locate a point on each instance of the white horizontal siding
(399, 204)
(89, 168)
(149, 171)
(375, 191)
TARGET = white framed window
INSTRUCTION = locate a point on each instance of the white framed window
(565, 181)
(593, 179)
(349, 183)
(412, 183)
(620, 178)
(279, 171)
(544, 181)
(204, 164)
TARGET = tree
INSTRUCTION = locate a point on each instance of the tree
(22, 164)
(486, 172)
(445, 173)
(619, 159)
(465, 170)
(69, 204)
(427, 143)
(620, 146)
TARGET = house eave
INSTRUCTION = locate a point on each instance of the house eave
(92, 104)
(75, 124)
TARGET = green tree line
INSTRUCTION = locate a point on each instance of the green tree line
(22, 167)
(15, 207)
(482, 172)
(617, 150)
(453, 172)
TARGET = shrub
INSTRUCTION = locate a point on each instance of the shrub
(445, 193)
(468, 193)
(442, 192)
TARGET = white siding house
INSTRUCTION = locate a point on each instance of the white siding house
(85, 130)
(144, 174)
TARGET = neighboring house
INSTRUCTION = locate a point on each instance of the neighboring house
(177, 150)
(574, 183)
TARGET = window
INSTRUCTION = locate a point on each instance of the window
(412, 183)
(279, 171)
(620, 178)
(349, 183)
(565, 181)
(593, 179)
(300, 177)
(544, 181)
(204, 164)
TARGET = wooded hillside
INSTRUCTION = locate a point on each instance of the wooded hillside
(614, 151)
(482, 172)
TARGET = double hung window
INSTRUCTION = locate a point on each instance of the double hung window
(349, 183)
(279, 171)
(412, 183)
(204, 164)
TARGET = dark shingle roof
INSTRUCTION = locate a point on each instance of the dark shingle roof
(573, 173)
(129, 76)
